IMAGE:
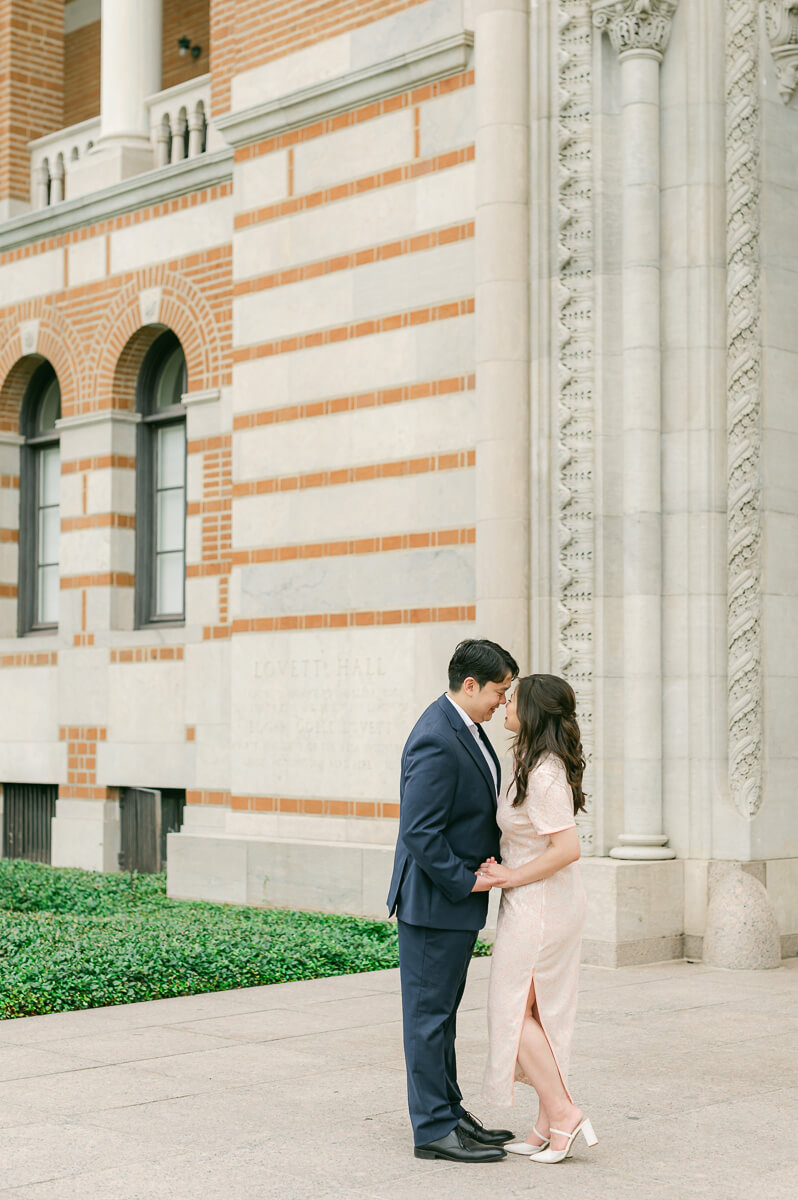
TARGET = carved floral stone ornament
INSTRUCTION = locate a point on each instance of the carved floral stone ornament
(781, 20)
(636, 26)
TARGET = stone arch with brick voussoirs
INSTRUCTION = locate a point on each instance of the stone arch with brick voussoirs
(56, 341)
(124, 336)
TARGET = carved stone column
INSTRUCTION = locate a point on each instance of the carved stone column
(639, 31)
(781, 20)
(501, 41)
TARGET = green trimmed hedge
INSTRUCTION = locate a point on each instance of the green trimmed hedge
(74, 939)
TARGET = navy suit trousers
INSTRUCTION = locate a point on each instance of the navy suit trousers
(433, 965)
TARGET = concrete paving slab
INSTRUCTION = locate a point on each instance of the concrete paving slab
(71, 1092)
(59, 1147)
(274, 1023)
(132, 1045)
(20, 1062)
(298, 1092)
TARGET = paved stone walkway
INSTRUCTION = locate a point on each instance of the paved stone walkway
(297, 1092)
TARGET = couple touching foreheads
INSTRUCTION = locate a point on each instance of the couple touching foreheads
(461, 833)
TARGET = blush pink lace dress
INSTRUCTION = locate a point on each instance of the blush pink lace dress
(538, 933)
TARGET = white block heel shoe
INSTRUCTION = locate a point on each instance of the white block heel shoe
(526, 1147)
(554, 1156)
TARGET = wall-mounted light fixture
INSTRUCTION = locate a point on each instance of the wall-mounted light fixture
(184, 47)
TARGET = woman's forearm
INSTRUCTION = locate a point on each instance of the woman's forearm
(548, 863)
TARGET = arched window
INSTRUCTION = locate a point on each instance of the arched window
(161, 485)
(40, 516)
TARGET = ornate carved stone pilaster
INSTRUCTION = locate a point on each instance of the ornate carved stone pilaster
(744, 406)
(636, 26)
(575, 416)
(781, 22)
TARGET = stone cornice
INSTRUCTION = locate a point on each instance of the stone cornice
(428, 63)
(636, 27)
(140, 191)
(781, 22)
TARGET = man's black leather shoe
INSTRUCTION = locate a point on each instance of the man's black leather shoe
(458, 1147)
(473, 1128)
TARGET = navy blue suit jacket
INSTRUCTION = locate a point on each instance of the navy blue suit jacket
(447, 823)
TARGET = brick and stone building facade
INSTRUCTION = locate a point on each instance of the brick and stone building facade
(376, 324)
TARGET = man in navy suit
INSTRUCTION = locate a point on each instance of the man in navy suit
(447, 828)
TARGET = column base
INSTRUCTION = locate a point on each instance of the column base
(635, 911)
(642, 847)
(107, 164)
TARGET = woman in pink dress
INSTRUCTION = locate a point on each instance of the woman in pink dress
(535, 966)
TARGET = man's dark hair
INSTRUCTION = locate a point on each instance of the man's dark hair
(477, 658)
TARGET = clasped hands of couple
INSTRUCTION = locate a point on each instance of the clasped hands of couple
(492, 874)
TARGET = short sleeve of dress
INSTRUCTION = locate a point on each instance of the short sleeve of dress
(550, 800)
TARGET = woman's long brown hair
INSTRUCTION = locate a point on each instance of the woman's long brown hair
(546, 710)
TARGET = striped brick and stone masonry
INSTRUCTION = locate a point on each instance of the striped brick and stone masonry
(324, 299)
(351, 555)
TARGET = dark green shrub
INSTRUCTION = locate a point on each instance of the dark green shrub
(80, 939)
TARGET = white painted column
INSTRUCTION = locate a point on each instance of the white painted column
(639, 32)
(130, 68)
(130, 72)
(501, 40)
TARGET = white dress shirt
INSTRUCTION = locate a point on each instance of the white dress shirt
(472, 726)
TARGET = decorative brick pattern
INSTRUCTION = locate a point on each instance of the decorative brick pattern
(82, 791)
(349, 620)
(357, 329)
(88, 334)
(58, 340)
(195, 304)
(368, 471)
(263, 32)
(33, 659)
(140, 654)
(108, 520)
(366, 545)
(215, 510)
(359, 258)
(104, 579)
(113, 224)
(81, 743)
(200, 796)
(100, 462)
(354, 187)
(355, 116)
(345, 404)
(313, 806)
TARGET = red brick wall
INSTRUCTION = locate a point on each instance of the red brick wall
(192, 18)
(82, 74)
(31, 85)
(247, 33)
(223, 56)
